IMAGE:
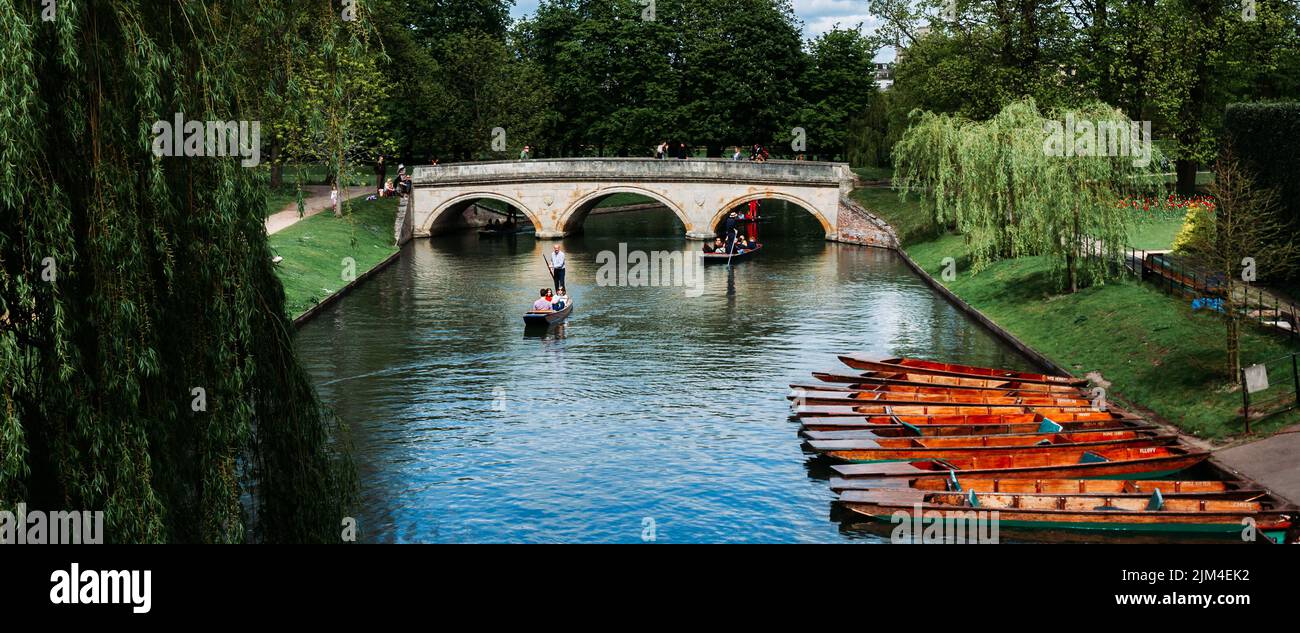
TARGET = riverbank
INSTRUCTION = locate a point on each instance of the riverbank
(1167, 358)
(315, 248)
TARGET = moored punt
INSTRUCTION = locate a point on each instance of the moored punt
(1088, 512)
(1129, 463)
(1139, 487)
(547, 317)
(851, 398)
(924, 379)
(851, 388)
(970, 430)
(862, 361)
(905, 448)
(1028, 422)
(935, 409)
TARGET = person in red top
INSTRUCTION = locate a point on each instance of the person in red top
(751, 229)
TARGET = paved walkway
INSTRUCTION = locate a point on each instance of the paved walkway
(1273, 462)
(316, 198)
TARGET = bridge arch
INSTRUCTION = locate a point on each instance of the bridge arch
(461, 201)
(769, 195)
(572, 217)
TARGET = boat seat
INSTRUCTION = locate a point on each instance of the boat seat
(1089, 457)
(953, 484)
(1157, 501)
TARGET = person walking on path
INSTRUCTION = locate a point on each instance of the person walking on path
(557, 263)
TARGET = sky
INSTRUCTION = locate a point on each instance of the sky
(818, 17)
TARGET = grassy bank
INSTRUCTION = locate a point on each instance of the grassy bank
(1155, 351)
(314, 248)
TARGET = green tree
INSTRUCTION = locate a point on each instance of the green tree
(840, 86)
(1003, 185)
(135, 288)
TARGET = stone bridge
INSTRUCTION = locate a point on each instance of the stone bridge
(556, 195)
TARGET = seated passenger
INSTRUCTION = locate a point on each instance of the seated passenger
(543, 303)
(561, 298)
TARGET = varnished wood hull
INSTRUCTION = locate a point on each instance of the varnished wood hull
(947, 448)
(1087, 512)
(903, 364)
(969, 430)
(934, 409)
(1139, 463)
(931, 380)
(854, 398)
(1027, 421)
(981, 392)
(1122, 487)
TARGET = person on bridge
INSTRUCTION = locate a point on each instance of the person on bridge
(557, 263)
(542, 303)
(526, 153)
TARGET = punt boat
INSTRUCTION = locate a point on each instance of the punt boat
(903, 364)
(924, 379)
(1148, 462)
(722, 258)
(888, 449)
(884, 387)
(547, 317)
(970, 430)
(922, 424)
(964, 408)
(1124, 487)
(852, 398)
(1155, 513)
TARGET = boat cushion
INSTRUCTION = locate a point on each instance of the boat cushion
(911, 427)
(953, 484)
(1157, 501)
(1048, 426)
(1089, 457)
(971, 499)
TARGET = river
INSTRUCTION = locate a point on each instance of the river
(649, 414)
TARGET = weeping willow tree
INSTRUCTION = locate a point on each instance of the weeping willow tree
(1025, 184)
(147, 362)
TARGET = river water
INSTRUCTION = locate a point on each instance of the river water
(648, 414)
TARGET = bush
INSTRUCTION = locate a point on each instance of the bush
(1198, 225)
(1266, 139)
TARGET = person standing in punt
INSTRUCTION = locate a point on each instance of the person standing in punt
(557, 263)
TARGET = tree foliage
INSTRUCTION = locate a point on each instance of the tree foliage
(128, 281)
(997, 183)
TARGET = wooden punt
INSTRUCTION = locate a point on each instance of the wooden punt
(970, 430)
(879, 387)
(1148, 462)
(1130, 487)
(547, 317)
(923, 379)
(888, 408)
(888, 449)
(862, 361)
(922, 423)
(721, 258)
(1081, 512)
(852, 398)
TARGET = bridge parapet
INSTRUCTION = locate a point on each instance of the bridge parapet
(634, 169)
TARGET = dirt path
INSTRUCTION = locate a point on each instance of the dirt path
(316, 198)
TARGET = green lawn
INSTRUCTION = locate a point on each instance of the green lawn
(1157, 353)
(314, 249)
(874, 173)
(312, 174)
(1154, 235)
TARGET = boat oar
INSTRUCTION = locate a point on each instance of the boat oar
(731, 248)
(549, 269)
